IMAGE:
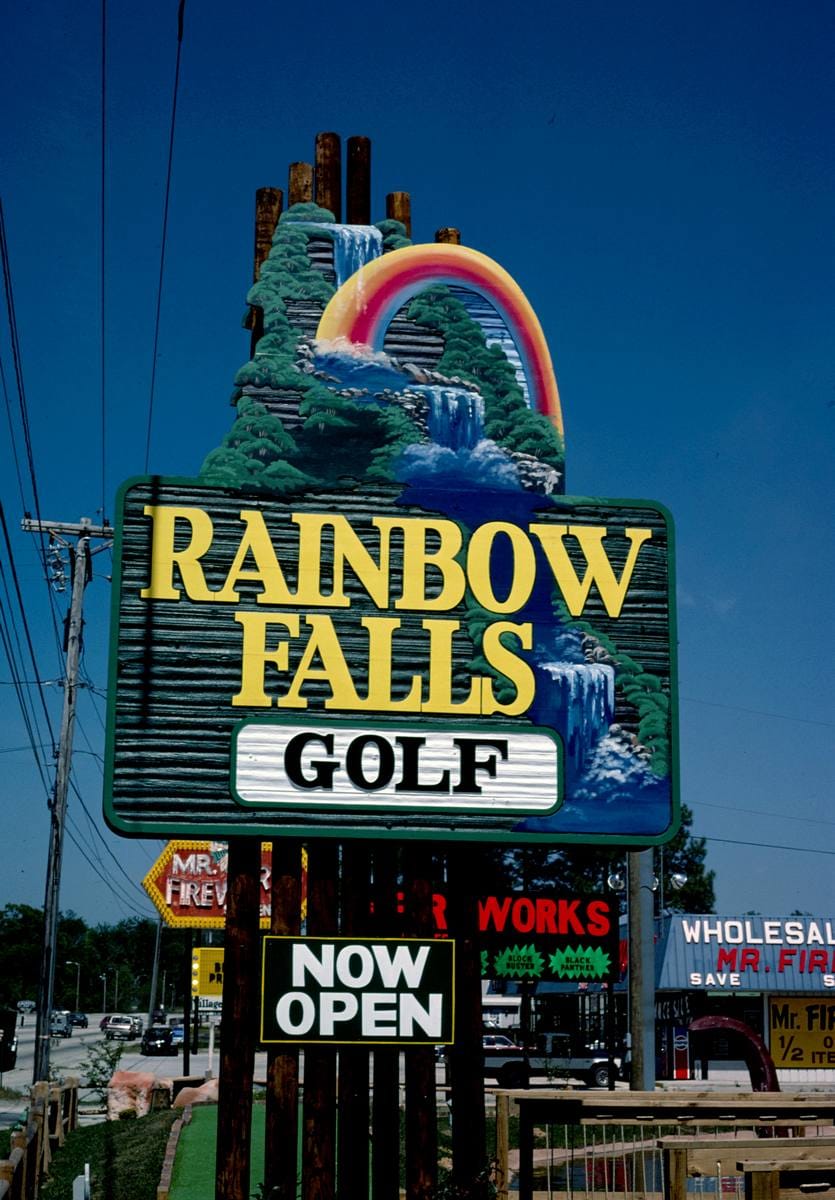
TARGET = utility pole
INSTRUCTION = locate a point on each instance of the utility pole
(81, 574)
(641, 971)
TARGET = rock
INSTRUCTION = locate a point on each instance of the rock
(133, 1091)
(205, 1094)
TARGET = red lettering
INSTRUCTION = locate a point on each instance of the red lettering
(785, 960)
(568, 917)
(546, 916)
(524, 914)
(726, 959)
(750, 957)
(817, 960)
(598, 918)
(439, 910)
(493, 912)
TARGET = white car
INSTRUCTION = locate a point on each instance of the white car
(120, 1029)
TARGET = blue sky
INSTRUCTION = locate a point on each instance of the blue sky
(659, 181)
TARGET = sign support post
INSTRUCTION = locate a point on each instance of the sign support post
(240, 1021)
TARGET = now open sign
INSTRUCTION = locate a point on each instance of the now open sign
(347, 990)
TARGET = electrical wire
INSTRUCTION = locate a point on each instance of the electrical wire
(765, 845)
(98, 834)
(103, 261)
(180, 19)
(757, 712)
(124, 902)
(14, 342)
(12, 439)
(23, 618)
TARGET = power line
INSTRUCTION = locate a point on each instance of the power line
(98, 834)
(14, 342)
(122, 900)
(767, 845)
(761, 812)
(24, 619)
(103, 259)
(180, 17)
(757, 712)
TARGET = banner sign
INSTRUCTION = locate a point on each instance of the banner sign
(802, 1033)
(474, 666)
(341, 991)
(779, 954)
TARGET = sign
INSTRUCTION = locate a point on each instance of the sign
(544, 936)
(187, 884)
(782, 954)
(207, 971)
(269, 653)
(802, 1033)
(341, 991)
(375, 613)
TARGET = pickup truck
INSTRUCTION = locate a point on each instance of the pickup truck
(555, 1054)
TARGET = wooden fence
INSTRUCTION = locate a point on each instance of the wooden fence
(609, 1143)
(53, 1113)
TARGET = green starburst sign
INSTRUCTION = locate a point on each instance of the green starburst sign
(581, 962)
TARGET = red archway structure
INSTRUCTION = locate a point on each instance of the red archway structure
(752, 1048)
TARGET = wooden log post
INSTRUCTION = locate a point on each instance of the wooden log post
(300, 183)
(281, 1123)
(358, 182)
(353, 1102)
(328, 176)
(240, 1024)
(268, 203)
(469, 1139)
(385, 1149)
(399, 208)
(421, 1104)
(319, 1105)
(448, 234)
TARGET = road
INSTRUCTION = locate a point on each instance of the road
(67, 1057)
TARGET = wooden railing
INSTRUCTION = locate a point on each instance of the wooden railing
(53, 1113)
(644, 1114)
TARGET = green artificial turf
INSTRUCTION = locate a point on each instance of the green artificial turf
(194, 1166)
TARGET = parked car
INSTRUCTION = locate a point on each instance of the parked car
(120, 1029)
(157, 1039)
(8, 1039)
(79, 1020)
(60, 1023)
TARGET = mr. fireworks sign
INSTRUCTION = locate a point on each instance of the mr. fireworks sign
(442, 645)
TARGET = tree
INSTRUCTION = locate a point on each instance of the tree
(583, 870)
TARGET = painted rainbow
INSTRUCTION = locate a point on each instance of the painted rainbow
(361, 310)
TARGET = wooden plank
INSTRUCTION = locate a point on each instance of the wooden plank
(421, 1115)
(718, 1156)
(353, 1090)
(240, 1008)
(787, 1163)
(282, 1104)
(319, 1107)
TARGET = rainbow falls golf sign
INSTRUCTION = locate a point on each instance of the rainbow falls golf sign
(375, 613)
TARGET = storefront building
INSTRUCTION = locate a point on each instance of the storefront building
(776, 975)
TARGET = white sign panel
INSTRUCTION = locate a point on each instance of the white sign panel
(340, 765)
